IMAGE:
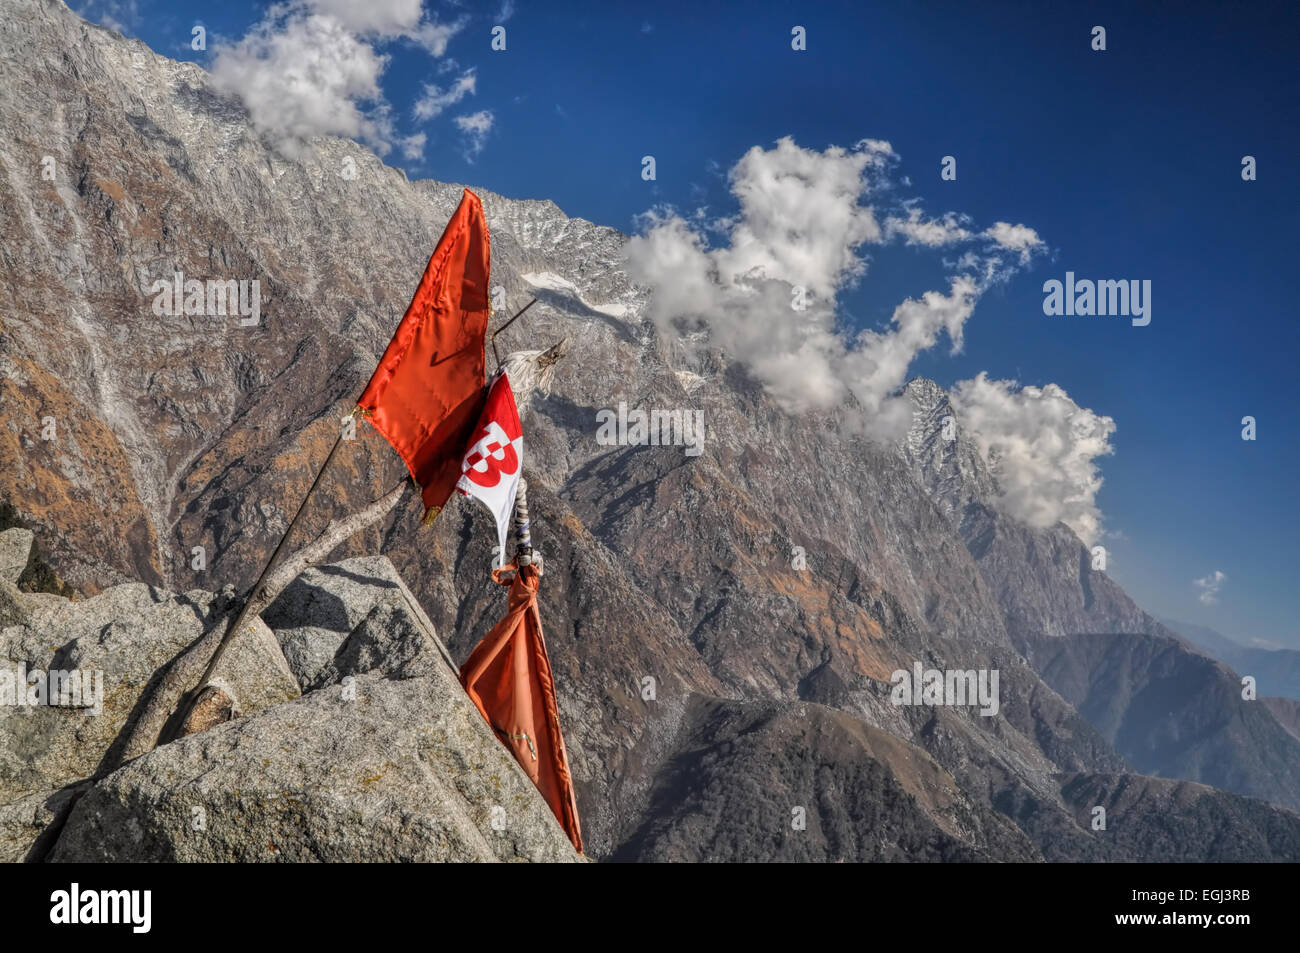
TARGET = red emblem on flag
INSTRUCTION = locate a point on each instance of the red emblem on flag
(491, 467)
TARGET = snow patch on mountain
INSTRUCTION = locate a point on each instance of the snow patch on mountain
(550, 281)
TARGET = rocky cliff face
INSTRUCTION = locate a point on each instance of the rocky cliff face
(384, 758)
(1043, 580)
(723, 626)
(1162, 705)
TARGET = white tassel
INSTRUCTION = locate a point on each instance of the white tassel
(531, 371)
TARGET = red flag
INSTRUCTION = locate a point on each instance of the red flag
(493, 462)
(508, 675)
(427, 391)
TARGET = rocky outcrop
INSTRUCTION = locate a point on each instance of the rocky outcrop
(123, 656)
(115, 643)
(347, 618)
(384, 758)
(383, 769)
(15, 550)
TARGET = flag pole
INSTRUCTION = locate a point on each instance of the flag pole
(506, 325)
(174, 724)
(523, 535)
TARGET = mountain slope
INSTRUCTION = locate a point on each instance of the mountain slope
(1172, 713)
(1276, 671)
(1164, 707)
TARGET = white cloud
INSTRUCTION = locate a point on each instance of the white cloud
(434, 99)
(992, 263)
(476, 127)
(434, 36)
(412, 146)
(1017, 238)
(876, 367)
(388, 19)
(799, 226)
(304, 76)
(312, 68)
(802, 224)
(800, 217)
(1042, 446)
(932, 233)
(1209, 587)
(381, 17)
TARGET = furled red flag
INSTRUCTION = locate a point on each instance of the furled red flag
(493, 462)
(508, 675)
(427, 391)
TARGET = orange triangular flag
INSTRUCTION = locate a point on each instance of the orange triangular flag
(426, 394)
(508, 675)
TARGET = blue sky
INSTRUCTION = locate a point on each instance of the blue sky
(1127, 164)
